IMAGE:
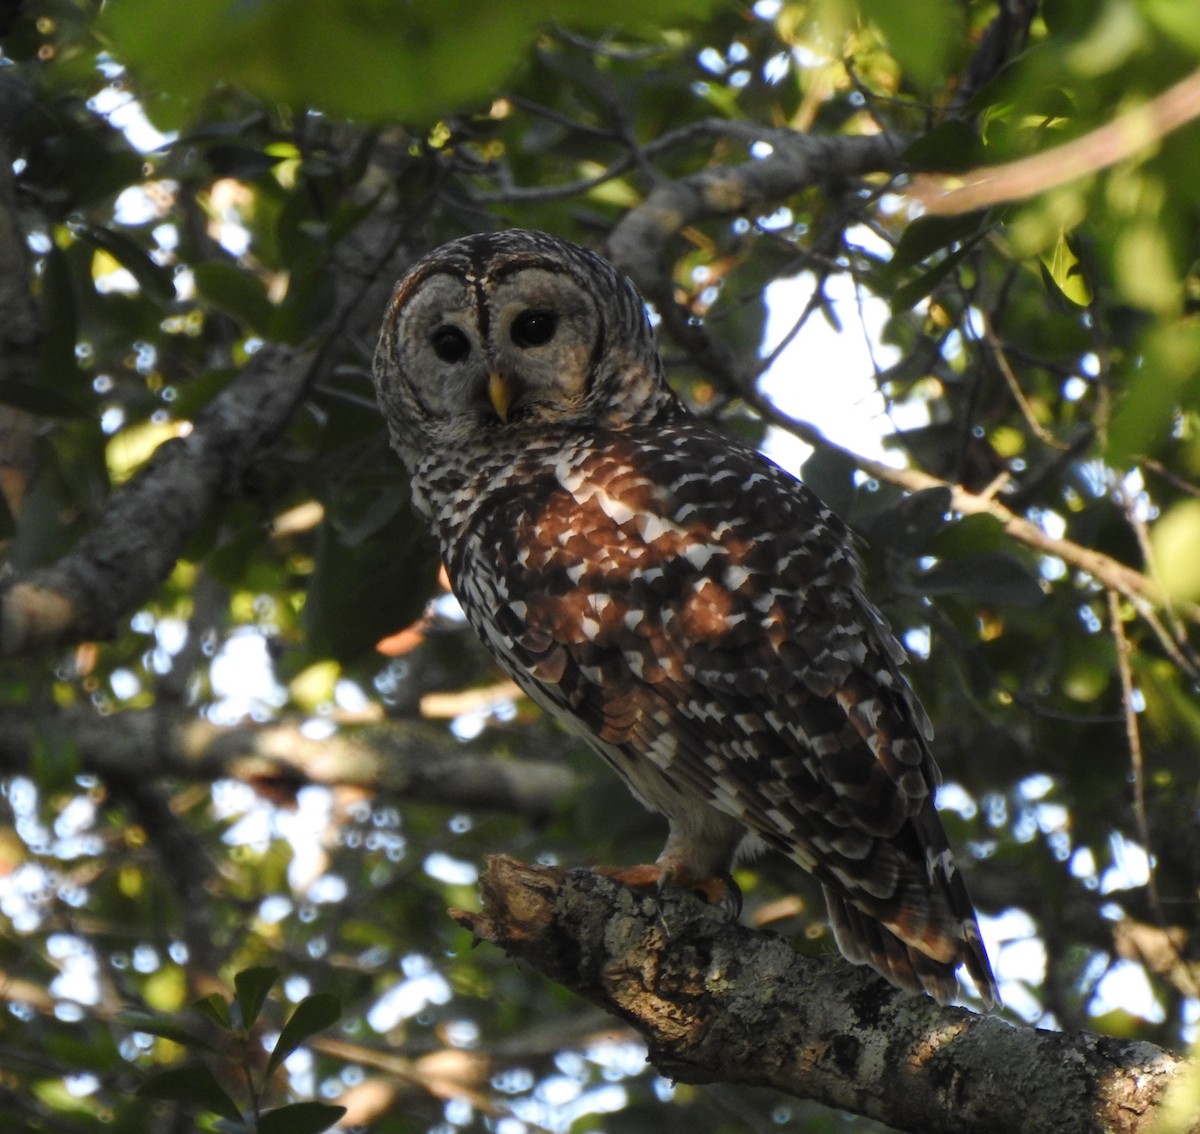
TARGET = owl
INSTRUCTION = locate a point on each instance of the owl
(687, 608)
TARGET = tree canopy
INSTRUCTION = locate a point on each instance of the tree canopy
(250, 753)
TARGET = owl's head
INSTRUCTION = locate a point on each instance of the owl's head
(513, 334)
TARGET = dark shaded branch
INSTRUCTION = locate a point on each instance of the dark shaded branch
(184, 861)
(715, 1000)
(21, 331)
(1005, 37)
(402, 759)
(148, 522)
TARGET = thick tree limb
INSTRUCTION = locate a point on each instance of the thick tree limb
(400, 760)
(715, 1000)
(148, 522)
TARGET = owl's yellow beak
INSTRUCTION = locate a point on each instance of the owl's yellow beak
(500, 394)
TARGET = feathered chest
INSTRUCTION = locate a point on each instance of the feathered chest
(630, 549)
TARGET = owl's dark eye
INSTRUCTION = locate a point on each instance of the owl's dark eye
(450, 344)
(534, 328)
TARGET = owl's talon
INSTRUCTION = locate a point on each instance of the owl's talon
(717, 890)
(647, 876)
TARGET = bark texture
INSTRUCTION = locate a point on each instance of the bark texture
(715, 1000)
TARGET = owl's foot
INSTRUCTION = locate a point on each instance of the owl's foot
(717, 890)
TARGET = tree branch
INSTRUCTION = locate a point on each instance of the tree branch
(148, 522)
(407, 759)
(1122, 138)
(638, 245)
(715, 1000)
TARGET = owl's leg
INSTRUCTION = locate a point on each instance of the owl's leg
(717, 890)
(698, 857)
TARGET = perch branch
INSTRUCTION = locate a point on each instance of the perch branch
(715, 1000)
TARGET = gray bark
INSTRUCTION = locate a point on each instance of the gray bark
(715, 1000)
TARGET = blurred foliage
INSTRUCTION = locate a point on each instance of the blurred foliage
(198, 182)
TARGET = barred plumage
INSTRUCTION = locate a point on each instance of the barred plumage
(676, 600)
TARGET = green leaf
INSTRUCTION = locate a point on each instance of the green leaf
(989, 577)
(313, 1014)
(927, 235)
(1064, 268)
(1144, 265)
(1176, 542)
(921, 33)
(155, 280)
(58, 368)
(237, 292)
(252, 986)
(300, 1118)
(396, 564)
(909, 525)
(374, 60)
(830, 474)
(216, 1008)
(152, 1023)
(910, 293)
(1167, 377)
(949, 147)
(1177, 20)
(193, 1086)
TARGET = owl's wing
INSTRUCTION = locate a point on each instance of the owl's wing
(681, 601)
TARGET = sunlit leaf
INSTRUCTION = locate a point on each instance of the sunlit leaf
(1065, 270)
(1177, 19)
(921, 33)
(134, 445)
(1176, 542)
(1167, 376)
(1145, 267)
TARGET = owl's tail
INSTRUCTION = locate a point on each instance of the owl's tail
(928, 966)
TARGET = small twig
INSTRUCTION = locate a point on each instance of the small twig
(1135, 130)
(1010, 378)
(1173, 479)
(636, 157)
(1133, 733)
(1128, 581)
(814, 301)
(1175, 639)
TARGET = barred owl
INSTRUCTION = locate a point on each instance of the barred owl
(684, 606)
